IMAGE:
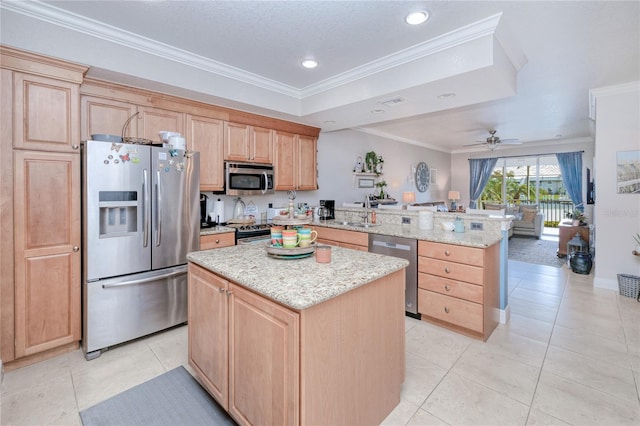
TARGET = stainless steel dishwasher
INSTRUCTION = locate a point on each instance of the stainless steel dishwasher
(404, 248)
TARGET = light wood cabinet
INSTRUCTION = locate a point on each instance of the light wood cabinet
(458, 287)
(47, 250)
(206, 135)
(106, 116)
(343, 238)
(295, 162)
(46, 114)
(152, 121)
(247, 143)
(268, 364)
(217, 240)
(40, 207)
(245, 348)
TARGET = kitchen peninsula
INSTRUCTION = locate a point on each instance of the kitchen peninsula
(298, 342)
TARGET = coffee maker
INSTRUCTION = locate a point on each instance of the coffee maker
(329, 209)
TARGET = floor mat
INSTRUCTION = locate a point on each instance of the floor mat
(531, 250)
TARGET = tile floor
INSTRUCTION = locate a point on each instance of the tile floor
(569, 356)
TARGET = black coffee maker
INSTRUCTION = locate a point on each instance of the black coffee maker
(204, 223)
(329, 209)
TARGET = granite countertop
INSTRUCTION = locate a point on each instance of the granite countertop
(216, 230)
(296, 283)
(469, 238)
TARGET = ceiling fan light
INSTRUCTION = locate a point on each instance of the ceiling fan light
(417, 18)
(309, 63)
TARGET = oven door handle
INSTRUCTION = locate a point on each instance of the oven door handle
(266, 183)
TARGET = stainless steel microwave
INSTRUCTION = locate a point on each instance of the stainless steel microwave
(248, 179)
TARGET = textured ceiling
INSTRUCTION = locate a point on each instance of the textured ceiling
(556, 50)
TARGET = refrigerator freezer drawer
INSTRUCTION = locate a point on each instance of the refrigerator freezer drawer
(125, 308)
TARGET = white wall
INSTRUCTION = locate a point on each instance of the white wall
(337, 155)
(617, 216)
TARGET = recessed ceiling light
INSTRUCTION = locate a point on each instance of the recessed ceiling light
(417, 18)
(309, 63)
(447, 95)
(377, 111)
(329, 122)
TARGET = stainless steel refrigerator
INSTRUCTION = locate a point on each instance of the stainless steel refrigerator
(141, 216)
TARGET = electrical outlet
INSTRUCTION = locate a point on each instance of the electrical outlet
(406, 220)
(476, 226)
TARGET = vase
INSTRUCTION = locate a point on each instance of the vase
(581, 262)
(575, 222)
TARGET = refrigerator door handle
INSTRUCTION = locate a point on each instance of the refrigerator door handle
(145, 206)
(145, 280)
(158, 210)
(266, 183)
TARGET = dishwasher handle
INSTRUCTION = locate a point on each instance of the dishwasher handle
(404, 247)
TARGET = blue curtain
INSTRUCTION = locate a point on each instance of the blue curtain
(571, 169)
(480, 171)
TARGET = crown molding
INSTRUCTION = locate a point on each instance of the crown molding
(399, 139)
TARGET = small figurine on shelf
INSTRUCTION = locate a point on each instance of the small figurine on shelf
(358, 167)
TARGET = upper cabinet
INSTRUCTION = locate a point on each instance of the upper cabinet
(206, 135)
(106, 116)
(295, 162)
(46, 114)
(152, 121)
(247, 143)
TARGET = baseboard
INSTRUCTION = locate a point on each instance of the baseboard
(606, 283)
(1, 373)
(505, 315)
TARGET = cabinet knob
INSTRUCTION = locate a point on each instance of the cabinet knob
(447, 253)
(446, 310)
(74, 146)
(446, 287)
(447, 270)
(217, 241)
(76, 248)
(222, 289)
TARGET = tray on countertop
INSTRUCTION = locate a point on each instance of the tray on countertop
(290, 253)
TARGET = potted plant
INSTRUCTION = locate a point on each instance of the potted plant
(577, 216)
(370, 161)
(381, 185)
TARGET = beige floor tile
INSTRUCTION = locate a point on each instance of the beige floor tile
(609, 327)
(538, 418)
(170, 347)
(113, 372)
(591, 345)
(440, 346)
(460, 401)
(529, 327)
(34, 375)
(543, 285)
(490, 368)
(599, 375)
(422, 418)
(401, 414)
(421, 379)
(533, 310)
(534, 296)
(581, 405)
(52, 402)
(516, 347)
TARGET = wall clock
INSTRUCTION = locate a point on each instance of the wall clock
(422, 177)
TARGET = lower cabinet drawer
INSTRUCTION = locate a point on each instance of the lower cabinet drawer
(449, 309)
(217, 240)
(451, 270)
(448, 287)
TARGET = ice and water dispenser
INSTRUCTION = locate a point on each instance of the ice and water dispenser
(118, 213)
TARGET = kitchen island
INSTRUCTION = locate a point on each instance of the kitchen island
(298, 342)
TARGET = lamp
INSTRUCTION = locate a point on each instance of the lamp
(409, 197)
(453, 196)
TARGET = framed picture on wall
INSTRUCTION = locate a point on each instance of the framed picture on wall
(628, 172)
(366, 182)
(433, 173)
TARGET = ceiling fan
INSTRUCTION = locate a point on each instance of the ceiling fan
(494, 141)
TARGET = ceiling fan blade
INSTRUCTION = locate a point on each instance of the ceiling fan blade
(510, 141)
(476, 144)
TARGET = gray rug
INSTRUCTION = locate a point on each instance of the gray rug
(530, 250)
(173, 398)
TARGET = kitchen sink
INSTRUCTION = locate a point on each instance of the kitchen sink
(357, 224)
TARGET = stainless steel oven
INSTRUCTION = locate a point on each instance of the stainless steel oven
(248, 179)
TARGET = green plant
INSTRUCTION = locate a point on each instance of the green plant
(577, 214)
(381, 185)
